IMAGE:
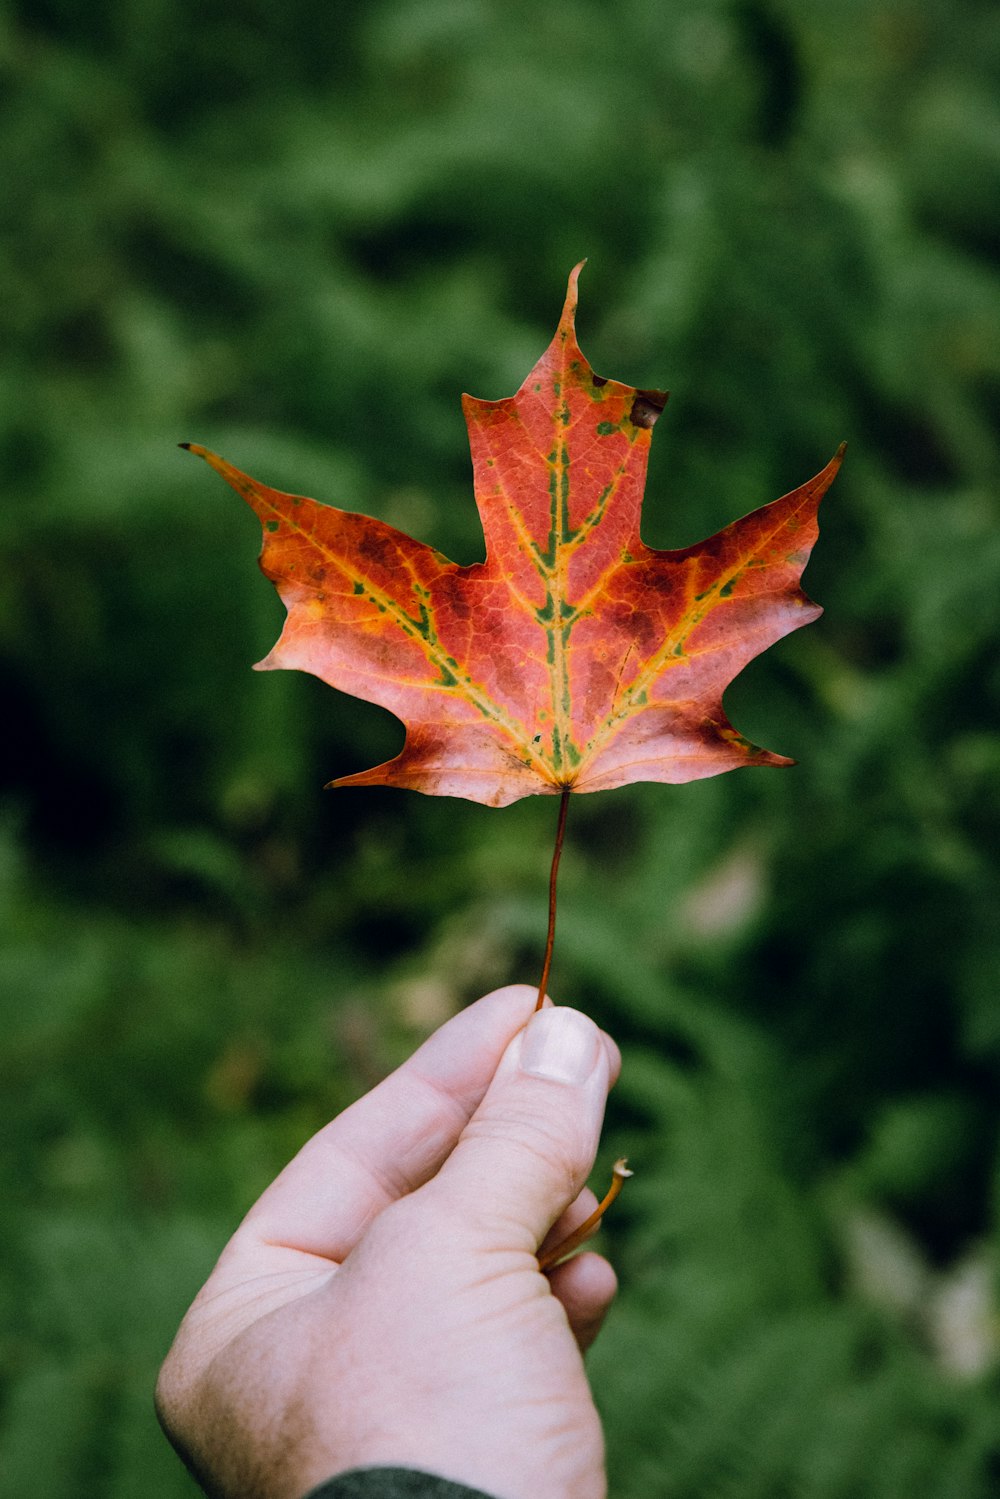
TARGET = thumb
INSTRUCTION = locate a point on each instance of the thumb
(526, 1152)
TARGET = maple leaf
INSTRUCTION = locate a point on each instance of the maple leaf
(574, 657)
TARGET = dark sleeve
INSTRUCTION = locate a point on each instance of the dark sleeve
(392, 1483)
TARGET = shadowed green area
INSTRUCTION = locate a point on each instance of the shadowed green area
(296, 235)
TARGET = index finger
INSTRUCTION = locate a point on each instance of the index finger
(394, 1138)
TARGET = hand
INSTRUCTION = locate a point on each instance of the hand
(382, 1302)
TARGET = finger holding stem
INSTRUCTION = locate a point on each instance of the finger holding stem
(550, 1258)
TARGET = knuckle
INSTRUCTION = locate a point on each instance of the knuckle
(167, 1398)
(174, 1391)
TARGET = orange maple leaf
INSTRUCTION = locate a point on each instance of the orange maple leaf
(574, 657)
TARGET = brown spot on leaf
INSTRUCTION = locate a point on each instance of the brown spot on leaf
(599, 380)
(374, 548)
(647, 407)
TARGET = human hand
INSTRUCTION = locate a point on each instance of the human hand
(382, 1302)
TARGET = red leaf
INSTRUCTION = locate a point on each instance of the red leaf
(574, 656)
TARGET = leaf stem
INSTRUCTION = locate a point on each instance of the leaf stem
(553, 874)
(572, 1241)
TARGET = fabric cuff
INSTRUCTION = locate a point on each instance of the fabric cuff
(392, 1483)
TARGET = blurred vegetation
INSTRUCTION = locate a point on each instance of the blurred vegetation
(296, 235)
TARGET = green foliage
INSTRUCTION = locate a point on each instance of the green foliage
(296, 236)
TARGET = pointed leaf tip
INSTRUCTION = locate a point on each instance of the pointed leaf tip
(572, 296)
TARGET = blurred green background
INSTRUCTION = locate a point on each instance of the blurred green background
(297, 235)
